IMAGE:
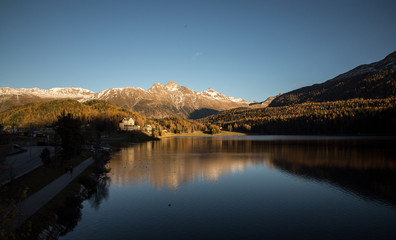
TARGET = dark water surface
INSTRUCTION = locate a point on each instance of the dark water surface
(250, 187)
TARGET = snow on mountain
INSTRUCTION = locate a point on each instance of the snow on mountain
(113, 92)
(172, 86)
(168, 100)
(155, 87)
(74, 93)
(158, 101)
(211, 93)
(8, 91)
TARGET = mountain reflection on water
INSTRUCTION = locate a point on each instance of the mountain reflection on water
(172, 162)
(365, 167)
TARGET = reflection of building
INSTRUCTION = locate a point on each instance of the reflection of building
(128, 124)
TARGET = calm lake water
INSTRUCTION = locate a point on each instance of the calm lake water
(247, 187)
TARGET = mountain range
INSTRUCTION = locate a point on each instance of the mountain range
(369, 81)
(170, 100)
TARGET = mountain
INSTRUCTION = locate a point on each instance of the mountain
(74, 93)
(19, 96)
(170, 100)
(369, 81)
(264, 103)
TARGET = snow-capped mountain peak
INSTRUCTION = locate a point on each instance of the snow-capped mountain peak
(158, 101)
(211, 93)
(172, 86)
(50, 93)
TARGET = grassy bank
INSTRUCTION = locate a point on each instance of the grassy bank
(45, 217)
(117, 139)
(25, 186)
(41, 177)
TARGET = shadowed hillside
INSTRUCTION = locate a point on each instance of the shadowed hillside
(369, 81)
(356, 116)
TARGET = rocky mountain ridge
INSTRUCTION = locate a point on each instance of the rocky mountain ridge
(170, 100)
(68, 92)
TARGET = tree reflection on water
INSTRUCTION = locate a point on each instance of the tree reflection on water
(95, 188)
(365, 167)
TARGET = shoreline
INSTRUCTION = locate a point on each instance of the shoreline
(201, 134)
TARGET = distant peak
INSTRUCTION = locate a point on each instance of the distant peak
(211, 90)
(172, 86)
(157, 85)
(172, 83)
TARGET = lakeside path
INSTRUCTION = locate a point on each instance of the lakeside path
(32, 204)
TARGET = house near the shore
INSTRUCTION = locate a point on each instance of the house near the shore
(128, 124)
(149, 129)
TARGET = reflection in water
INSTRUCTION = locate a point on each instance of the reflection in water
(284, 188)
(95, 192)
(366, 168)
(95, 188)
(358, 167)
(173, 162)
(101, 192)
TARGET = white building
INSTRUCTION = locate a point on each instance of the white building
(128, 124)
(149, 129)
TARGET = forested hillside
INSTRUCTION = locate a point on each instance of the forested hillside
(356, 116)
(178, 125)
(47, 112)
(101, 114)
(370, 81)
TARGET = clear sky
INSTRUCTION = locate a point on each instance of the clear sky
(248, 49)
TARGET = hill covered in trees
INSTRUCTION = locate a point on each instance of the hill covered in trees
(369, 81)
(355, 116)
(101, 114)
(43, 113)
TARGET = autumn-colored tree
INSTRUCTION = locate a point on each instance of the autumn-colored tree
(247, 127)
(229, 127)
(213, 129)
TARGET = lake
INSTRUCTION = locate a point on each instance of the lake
(247, 187)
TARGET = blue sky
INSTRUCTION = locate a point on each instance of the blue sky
(248, 49)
